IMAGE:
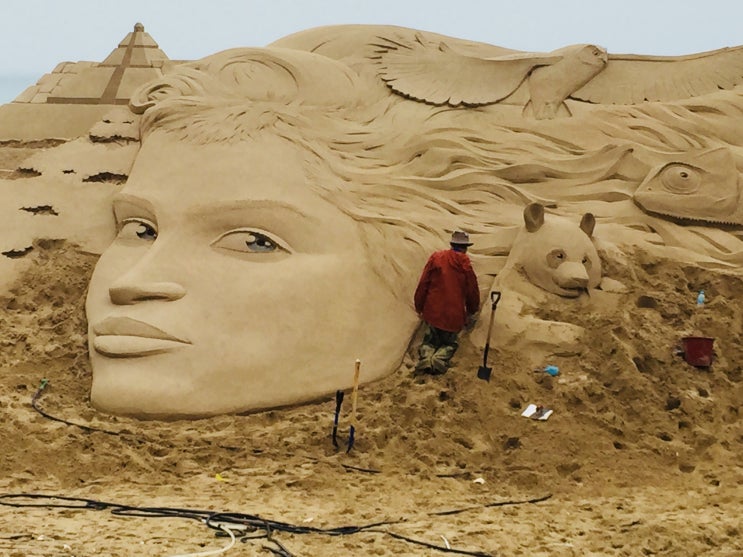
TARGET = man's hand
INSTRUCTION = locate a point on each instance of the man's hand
(471, 321)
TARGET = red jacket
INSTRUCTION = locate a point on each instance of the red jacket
(447, 291)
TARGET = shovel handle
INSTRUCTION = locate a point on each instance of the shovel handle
(494, 299)
(338, 402)
(355, 392)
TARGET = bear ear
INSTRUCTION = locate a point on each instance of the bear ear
(587, 224)
(533, 217)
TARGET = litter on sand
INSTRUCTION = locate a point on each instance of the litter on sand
(537, 412)
(552, 370)
(549, 370)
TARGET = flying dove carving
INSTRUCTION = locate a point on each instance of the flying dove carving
(439, 74)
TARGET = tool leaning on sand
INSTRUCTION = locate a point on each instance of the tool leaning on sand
(338, 402)
(354, 398)
(339, 395)
(484, 371)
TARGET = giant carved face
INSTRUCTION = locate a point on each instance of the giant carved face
(233, 286)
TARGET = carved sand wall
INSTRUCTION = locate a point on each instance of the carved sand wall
(661, 173)
(284, 199)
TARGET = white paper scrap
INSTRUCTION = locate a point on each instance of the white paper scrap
(536, 412)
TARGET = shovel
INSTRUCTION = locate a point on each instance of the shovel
(485, 371)
(354, 397)
(338, 402)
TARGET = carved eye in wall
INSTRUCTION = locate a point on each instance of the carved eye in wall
(251, 242)
(134, 229)
(697, 185)
(681, 178)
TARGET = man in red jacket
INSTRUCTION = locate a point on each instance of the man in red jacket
(447, 299)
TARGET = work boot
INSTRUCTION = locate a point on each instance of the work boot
(425, 354)
(441, 359)
(423, 366)
(439, 365)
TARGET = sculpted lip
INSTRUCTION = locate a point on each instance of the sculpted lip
(125, 337)
(571, 291)
(126, 326)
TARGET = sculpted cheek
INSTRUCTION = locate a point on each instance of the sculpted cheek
(539, 273)
(594, 273)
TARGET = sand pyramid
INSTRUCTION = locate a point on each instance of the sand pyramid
(65, 103)
(136, 60)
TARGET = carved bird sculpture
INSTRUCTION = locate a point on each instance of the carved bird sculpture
(440, 74)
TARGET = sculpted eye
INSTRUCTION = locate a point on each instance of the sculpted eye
(555, 257)
(680, 178)
(249, 241)
(137, 229)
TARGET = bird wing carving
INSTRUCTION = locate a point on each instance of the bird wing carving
(437, 74)
(632, 79)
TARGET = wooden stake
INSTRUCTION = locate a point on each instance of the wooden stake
(354, 398)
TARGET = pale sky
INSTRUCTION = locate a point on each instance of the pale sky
(37, 34)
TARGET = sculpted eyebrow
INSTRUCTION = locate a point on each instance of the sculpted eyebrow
(264, 206)
(122, 200)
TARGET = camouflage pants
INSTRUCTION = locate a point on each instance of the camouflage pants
(436, 350)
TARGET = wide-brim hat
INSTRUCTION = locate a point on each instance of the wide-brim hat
(460, 238)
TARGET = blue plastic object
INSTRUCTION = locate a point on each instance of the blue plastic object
(552, 370)
(700, 298)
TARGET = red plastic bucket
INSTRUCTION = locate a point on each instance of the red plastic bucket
(698, 350)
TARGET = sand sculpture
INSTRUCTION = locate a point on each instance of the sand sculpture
(641, 454)
(284, 200)
(554, 255)
(247, 271)
(70, 139)
(553, 262)
(136, 60)
(444, 70)
(66, 102)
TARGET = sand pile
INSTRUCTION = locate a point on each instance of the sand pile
(641, 456)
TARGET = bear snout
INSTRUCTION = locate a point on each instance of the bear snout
(572, 279)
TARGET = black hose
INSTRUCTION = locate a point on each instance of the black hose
(34, 404)
(488, 505)
(216, 521)
(436, 547)
(209, 518)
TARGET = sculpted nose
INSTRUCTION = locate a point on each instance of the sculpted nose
(576, 282)
(572, 275)
(131, 294)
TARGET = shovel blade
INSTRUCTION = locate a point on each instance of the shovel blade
(484, 373)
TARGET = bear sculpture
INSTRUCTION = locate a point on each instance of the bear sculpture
(555, 255)
(553, 263)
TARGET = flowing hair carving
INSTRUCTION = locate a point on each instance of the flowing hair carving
(410, 173)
